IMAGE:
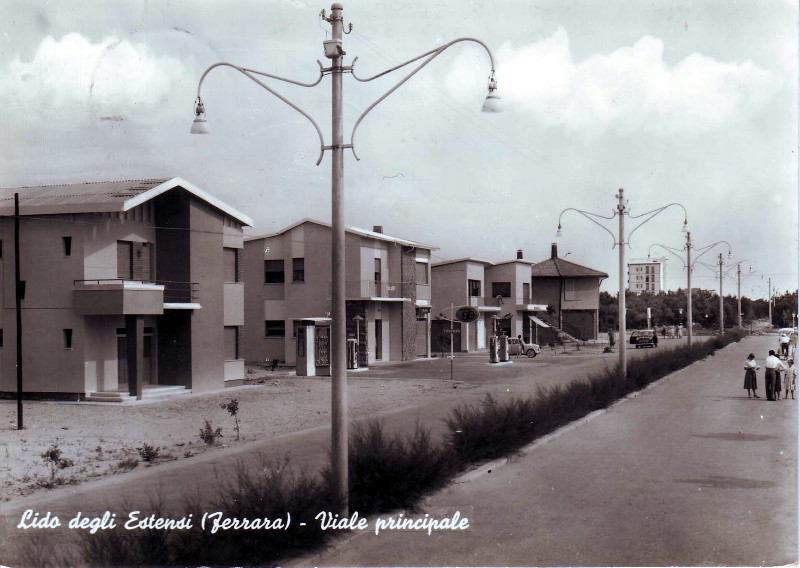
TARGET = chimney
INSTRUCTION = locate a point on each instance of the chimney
(519, 254)
(553, 250)
(377, 228)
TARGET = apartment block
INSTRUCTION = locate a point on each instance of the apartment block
(129, 286)
(288, 276)
(647, 275)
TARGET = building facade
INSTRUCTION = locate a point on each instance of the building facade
(127, 285)
(571, 293)
(388, 292)
(647, 275)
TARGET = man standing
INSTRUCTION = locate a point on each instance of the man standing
(784, 341)
(772, 364)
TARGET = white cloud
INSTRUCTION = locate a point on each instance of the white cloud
(112, 76)
(630, 89)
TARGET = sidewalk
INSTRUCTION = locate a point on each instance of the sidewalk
(688, 472)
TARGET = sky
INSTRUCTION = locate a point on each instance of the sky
(689, 102)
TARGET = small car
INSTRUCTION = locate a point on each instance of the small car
(517, 347)
(644, 338)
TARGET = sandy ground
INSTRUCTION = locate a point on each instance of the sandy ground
(101, 439)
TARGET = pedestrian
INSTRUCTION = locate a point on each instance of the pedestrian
(772, 365)
(784, 341)
(750, 377)
(790, 379)
(655, 339)
(611, 339)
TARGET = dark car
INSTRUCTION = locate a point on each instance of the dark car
(644, 338)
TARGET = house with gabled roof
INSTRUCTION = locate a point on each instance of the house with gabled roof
(288, 276)
(130, 287)
(571, 292)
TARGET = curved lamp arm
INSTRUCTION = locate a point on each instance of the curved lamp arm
(735, 264)
(653, 213)
(670, 250)
(249, 73)
(431, 55)
(591, 217)
(707, 248)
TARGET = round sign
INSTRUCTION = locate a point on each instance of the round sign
(467, 314)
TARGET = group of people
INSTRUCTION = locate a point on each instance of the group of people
(772, 376)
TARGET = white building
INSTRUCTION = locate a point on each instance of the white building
(647, 275)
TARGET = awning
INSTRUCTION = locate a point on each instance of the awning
(537, 321)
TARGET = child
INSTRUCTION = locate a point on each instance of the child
(790, 379)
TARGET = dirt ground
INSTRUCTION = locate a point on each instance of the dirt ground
(102, 439)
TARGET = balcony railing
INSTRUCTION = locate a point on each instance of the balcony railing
(373, 289)
(174, 292)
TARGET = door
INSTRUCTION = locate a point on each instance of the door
(122, 361)
(378, 339)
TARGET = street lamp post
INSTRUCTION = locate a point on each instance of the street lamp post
(738, 265)
(688, 264)
(334, 51)
(620, 241)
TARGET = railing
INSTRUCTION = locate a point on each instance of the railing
(373, 289)
(174, 292)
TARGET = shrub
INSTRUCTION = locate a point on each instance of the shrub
(209, 435)
(126, 464)
(149, 453)
(233, 409)
(52, 458)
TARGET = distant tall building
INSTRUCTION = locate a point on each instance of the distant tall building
(647, 275)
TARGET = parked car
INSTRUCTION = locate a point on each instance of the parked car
(517, 347)
(644, 338)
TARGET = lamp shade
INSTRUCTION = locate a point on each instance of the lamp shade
(492, 102)
(199, 126)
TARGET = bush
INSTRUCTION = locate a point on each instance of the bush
(149, 453)
(52, 457)
(233, 409)
(388, 473)
(209, 435)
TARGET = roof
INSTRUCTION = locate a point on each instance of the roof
(560, 268)
(351, 230)
(520, 260)
(456, 261)
(102, 197)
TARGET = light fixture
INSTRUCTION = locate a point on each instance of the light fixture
(558, 232)
(199, 126)
(685, 226)
(492, 102)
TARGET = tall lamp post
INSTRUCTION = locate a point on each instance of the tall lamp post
(688, 264)
(620, 241)
(334, 51)
(738, 265)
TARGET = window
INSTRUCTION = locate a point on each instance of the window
(474, 287)
(273, 272)
(67, 339)
(526, 293)
(501, 289)
(298, 270)
(378, 270)
(1, 338)
(1, 249)
(67, 246)
(274, 328)
(569, 289)
(422, 272)
(231, 342)
(230, 261)
(133, 260)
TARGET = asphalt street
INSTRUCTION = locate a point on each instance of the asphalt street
(687, 472)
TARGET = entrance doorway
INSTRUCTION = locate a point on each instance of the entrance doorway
(122, 358)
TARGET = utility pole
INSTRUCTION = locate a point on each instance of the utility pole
(18, 304)
(721, 303)
(769, 300)
(739, 292)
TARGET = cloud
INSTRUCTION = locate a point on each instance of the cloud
(112, 77)
(628, 90)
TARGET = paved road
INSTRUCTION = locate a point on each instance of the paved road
(689, 472)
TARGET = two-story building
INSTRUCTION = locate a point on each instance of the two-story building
(500, 291)
(288, 275)
(571, 293)
(128, 284)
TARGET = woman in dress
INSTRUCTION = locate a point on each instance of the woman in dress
(750, 380)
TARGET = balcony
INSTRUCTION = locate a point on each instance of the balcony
(505, 304)
(375, 290)
(117, 296)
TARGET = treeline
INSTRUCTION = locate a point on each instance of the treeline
(669, 308)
